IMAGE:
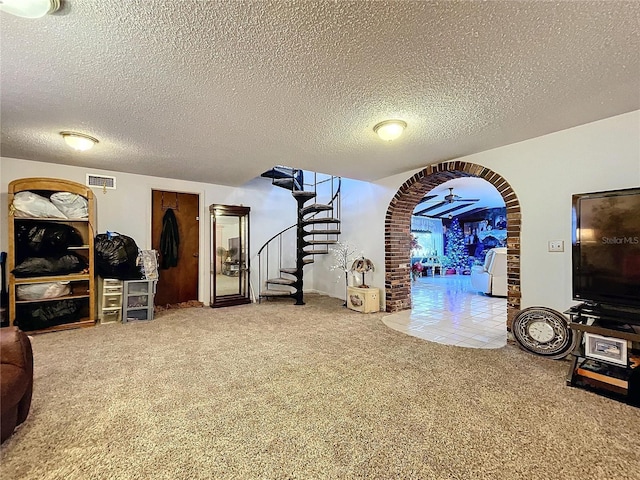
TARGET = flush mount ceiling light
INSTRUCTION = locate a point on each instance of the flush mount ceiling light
(79, 141)
(29, 8)
(390, 129)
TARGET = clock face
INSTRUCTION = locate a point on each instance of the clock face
(543, 331)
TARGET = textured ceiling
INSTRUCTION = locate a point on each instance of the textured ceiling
(220, 91)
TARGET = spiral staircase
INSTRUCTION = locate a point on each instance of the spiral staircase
(281, 260)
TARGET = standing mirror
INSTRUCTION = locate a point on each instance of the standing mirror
(229, 255)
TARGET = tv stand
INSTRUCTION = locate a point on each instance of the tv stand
(607, 357)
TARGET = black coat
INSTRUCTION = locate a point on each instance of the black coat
(169, 240)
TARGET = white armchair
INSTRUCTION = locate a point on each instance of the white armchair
(491, 278)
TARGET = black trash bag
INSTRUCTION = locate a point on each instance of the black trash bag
(38, 267)
(36, 316)
(115, 257)
(45, 239)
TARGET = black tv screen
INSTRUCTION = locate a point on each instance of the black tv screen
(606, 248)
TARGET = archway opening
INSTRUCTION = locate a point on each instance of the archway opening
(398, 231)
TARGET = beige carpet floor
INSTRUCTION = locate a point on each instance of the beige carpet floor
(275, 391)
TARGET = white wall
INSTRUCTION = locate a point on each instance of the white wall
(362, 227)
(544, 172)
(128, 209)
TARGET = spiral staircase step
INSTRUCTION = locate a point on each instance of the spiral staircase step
(312, 221)
(303, 194)
(275, 293)
(281, 281)
(315, 207)
(321, 232)
(288, 183)
(321, 242)
(315, 252)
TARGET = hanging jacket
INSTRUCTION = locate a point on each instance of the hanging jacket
(169, 240)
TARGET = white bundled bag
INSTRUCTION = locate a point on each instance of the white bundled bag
(32, 205)
(148, 262)
(71, 204)
(39, 291)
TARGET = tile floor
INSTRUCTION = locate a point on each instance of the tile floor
(447, 310)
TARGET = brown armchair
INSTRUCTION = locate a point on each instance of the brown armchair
(16, 378)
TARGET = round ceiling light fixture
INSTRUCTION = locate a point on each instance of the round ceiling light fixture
(79, 141)
(390, 129)
(29, 8)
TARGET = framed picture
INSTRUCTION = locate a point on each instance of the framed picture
(613, 350)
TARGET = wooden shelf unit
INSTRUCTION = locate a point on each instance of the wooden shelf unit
(66, 297)
(83, 284)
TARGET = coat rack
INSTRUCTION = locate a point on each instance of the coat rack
(166, 207)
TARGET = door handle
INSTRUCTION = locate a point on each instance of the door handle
(196, 255)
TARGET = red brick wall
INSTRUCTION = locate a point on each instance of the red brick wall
(397, 232)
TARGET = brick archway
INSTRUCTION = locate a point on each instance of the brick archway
(397, 232)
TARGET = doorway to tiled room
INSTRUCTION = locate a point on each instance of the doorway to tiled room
(446, 308)
(452, 228)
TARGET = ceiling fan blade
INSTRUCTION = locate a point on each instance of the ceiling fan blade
(426, 198)
(474, 210)
(453, 209)
(432, 207)
(467, 200)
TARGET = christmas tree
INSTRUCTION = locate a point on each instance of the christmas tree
(455, 250)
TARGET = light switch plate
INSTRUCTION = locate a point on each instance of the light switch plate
(556, 245)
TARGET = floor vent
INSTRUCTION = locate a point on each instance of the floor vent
(101, 181)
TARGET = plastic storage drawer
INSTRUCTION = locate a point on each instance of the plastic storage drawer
(133, 315)
(112, 301)
(110, 316)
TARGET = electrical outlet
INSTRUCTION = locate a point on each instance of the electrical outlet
(556, 245)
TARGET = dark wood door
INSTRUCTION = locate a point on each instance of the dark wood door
(178, 283)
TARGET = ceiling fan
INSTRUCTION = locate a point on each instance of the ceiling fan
(452, 197)
(443, 202)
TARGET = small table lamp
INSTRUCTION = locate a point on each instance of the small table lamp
(362, 265)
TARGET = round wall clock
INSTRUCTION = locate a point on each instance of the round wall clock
(543, 331)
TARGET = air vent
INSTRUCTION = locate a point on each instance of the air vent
(101, 181)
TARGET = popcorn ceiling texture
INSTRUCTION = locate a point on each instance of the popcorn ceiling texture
(227, 89)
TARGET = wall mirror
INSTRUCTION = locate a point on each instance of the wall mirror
(229, 255)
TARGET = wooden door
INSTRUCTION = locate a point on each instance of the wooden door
(178, 283)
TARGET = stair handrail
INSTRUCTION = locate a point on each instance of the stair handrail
(274, 237)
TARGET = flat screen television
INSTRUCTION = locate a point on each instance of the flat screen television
(606, 249)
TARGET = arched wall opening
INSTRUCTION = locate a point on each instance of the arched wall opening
(398, 231)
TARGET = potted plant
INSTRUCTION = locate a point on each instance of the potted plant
(416, 270)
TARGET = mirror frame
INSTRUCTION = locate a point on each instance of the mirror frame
(243, 296)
